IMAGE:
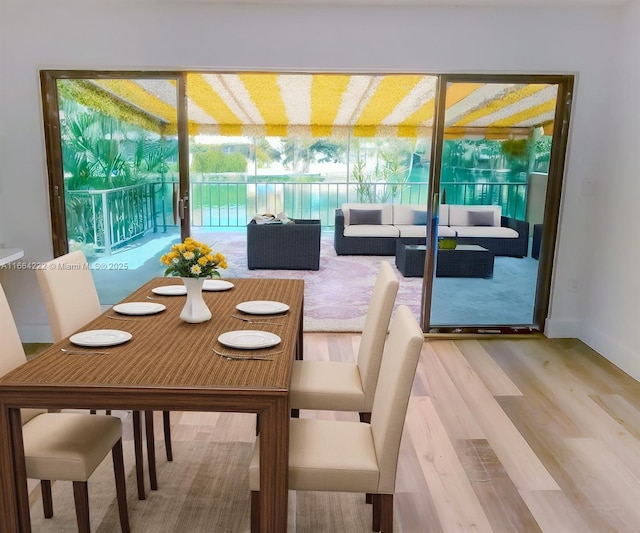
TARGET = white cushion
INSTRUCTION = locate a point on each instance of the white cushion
(386, 211)
(459, 214)
(446, 231)
(377, 230)
(486, 231)
(413, 231)
(443, 215)
(335, 386)
(403, 214)
(326, 455)
(68, 446)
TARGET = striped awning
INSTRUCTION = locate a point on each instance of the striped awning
(323, 105)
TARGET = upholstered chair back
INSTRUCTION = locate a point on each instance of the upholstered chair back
(10, 343)
(397, 372)
(375, 330)
(11, 351)
(69, 293)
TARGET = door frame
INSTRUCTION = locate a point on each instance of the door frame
(565, 84)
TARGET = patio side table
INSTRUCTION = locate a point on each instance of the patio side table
(284, 246)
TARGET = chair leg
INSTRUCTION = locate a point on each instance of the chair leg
(383, 513)
(386, 513)
(375, 499)
(166, 419)
(81, 499)
(151, 449)
(121, 485)
(255, 511)
(137, 443)
(47, 501)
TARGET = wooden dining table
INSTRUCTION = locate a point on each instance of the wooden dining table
(167, 365)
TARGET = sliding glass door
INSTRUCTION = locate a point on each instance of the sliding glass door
(114, 171)
(138, 160)
(496, 177)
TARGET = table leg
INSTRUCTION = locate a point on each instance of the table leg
(151, 449)
(274, 464)
(300, 336)
(137, 442)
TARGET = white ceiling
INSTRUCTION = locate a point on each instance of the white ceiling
(397, 3)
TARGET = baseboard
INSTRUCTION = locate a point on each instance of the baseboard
(621, 355)
(35, 333)
(562, 329)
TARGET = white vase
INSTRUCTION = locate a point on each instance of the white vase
(195, 309)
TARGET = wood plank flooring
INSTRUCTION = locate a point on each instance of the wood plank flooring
(501, 435)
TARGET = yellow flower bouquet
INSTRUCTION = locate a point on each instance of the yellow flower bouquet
(193, 259)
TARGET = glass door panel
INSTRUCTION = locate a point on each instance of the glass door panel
(120, 176)
(496, 146)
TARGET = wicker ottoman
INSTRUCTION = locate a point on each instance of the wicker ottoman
(284, 246)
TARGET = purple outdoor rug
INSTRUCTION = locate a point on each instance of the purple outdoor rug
(337, 295)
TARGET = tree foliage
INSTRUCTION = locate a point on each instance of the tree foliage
(212, 159)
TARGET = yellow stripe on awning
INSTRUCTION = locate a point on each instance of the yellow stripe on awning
(498, 103)
(390, 92)
(201, 93)
(327, 92)
(526, 115)
(265, 94)
(136, 95)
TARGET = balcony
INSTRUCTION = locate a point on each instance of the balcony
(108, 220)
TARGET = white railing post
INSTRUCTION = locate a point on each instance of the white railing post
(106, 223)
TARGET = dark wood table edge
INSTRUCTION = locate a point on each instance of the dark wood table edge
(272, 408)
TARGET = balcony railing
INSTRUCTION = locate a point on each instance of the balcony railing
(111, 218)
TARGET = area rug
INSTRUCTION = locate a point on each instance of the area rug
(337, 296)
(204, 490)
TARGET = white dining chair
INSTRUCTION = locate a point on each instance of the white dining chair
(340, 386)
(63, 446)
(71, 300)
(343, 456)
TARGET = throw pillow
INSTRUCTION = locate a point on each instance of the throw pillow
(481, 218)
(420, 218)
(365, 216)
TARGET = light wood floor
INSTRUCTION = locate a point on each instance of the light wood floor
(504, 435)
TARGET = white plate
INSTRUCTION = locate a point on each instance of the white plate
(249, 339)
(262, 307)
(170, 290)
(139, 308)
(216, 285)
(100, 337)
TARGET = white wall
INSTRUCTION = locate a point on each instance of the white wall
(72, 34)
(611, 323)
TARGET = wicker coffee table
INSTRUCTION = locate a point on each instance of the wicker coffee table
(465, 261)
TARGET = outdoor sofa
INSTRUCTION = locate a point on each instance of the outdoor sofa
(372, 229)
